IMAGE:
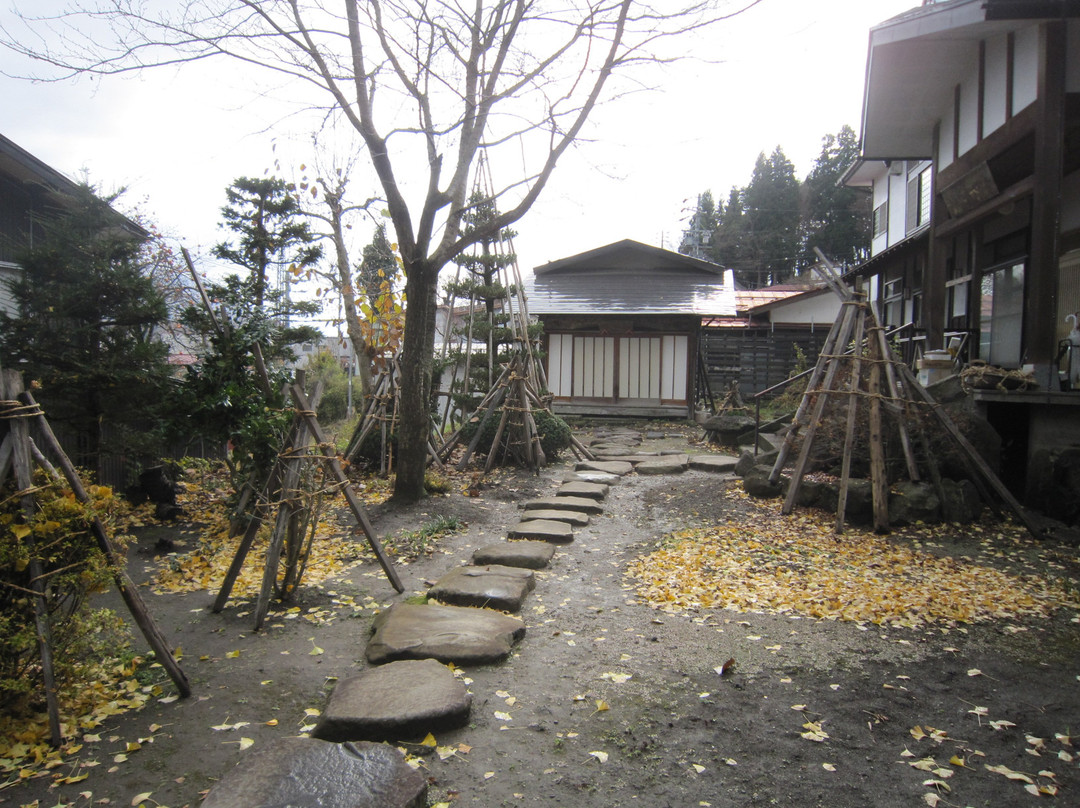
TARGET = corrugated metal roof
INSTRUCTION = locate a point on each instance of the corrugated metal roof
(630, 278)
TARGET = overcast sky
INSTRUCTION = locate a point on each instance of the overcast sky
(789, 71)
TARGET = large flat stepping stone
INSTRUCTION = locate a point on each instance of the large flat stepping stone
(575, 518)
(618, 467)
(669, 464)
(492, 586)
(589, 477)
(559, 503)
(713, 462)
(542, 530)
(595, 491)
(456, 634)
(405, 699)
(527, 553)
(302, 772)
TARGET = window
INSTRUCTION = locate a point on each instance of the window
(1001, 308)
(918, 200)
(893, 298)
(881, 219)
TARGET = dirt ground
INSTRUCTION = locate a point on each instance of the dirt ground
(674, 732)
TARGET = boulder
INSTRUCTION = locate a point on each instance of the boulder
(911, 502)
(756, 484)
(962, 502)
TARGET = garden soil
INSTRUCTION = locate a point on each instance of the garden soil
(608, 701)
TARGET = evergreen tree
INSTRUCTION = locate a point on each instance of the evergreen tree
(728, 247)
(771, 214)
(86, 329)
(377, 265)
(488, 321)
(271, 232)
(697, 238)
(836, 219)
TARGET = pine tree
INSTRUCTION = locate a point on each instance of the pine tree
(771, 213)
(86, 330)
(697, 238)
(271, 231)
(836, 219)
(488, 321)
(377, 265)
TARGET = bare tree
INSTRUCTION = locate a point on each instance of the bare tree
(427, 85)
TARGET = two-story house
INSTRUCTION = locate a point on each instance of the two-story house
(971, 146)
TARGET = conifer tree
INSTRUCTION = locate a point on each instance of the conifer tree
(86, 329)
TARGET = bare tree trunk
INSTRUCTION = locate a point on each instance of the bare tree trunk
(418, 345)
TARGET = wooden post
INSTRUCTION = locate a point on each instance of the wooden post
(24, 479)
(879, 483)
(798, 421)
(843, 335)
(331, 461)
(124, 584)
(853, 408)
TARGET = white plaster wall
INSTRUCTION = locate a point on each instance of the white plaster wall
(817, 310)
(943, 147)
(997, 50)
(1026, 66)
(969, 110)
(1072, 57)
(898, 206)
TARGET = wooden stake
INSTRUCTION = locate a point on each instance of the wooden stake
(853, 408)
(879, 483)
(124, 584)
(24, 479)
(844, 334)
(338, 473)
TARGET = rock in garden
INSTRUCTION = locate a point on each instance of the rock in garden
(527, 553)
(455, 634)
(541, 530)
(308, 772)
(669, 464)
(492, 585)
(405, 699)
(575, 518)
(713, 462)
(595, 491)
(618, 467)
(911, 502)
(563, 503)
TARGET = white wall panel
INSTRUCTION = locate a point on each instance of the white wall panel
(1026, 66)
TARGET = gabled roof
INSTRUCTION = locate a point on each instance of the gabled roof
(46, 183)
(916, 58)
(628, 277)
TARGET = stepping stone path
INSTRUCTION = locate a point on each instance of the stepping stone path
(375, 706)
(564, 503)
(492, 586)
(306, 771)
(410, 691)
(458, 634)
(542, 530)
(532, 555)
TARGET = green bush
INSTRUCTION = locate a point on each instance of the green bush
(554, 432)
